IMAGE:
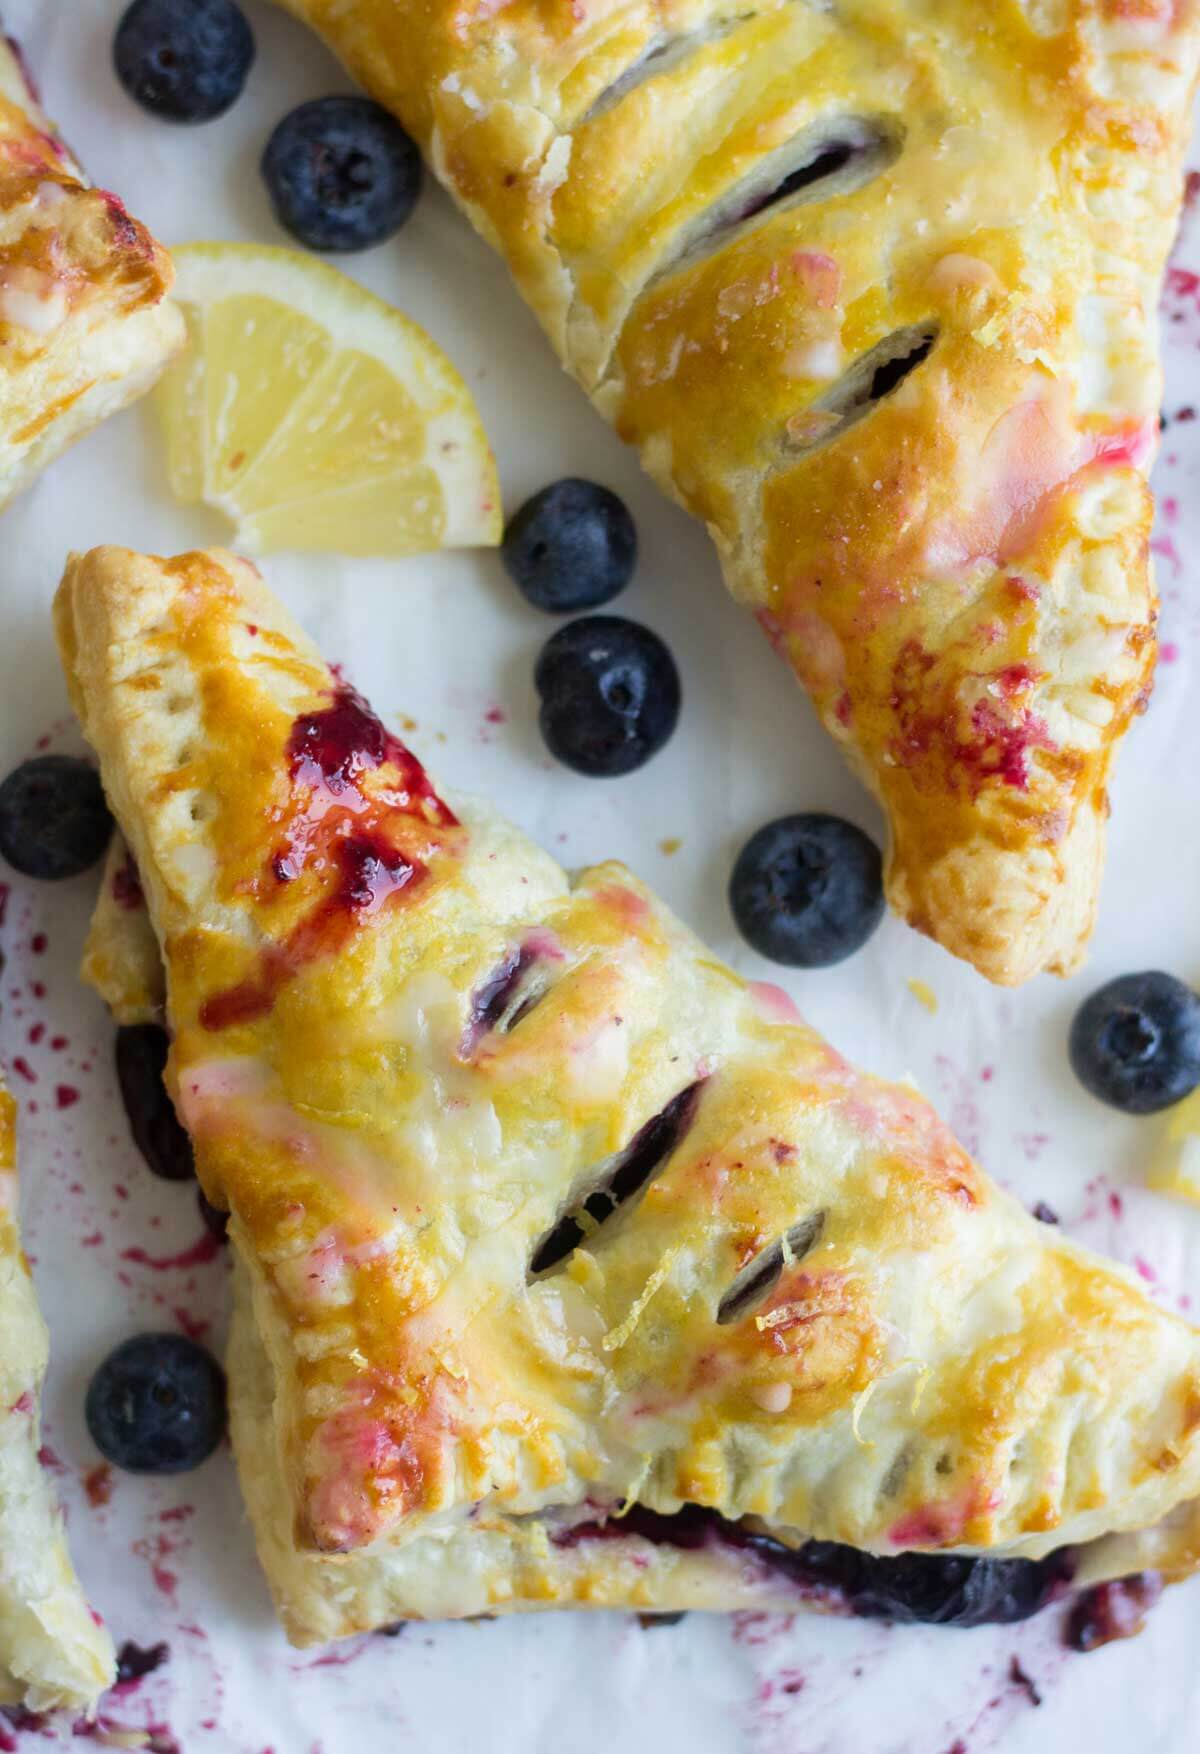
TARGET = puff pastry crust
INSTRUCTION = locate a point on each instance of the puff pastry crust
(541, 1209)
(53, 1650)
(85, 325)
(872, 287)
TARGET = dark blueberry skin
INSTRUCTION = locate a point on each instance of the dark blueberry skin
(571, 547)
(54, 821)
(1136, 1042)
(939, 1589)
(341, 173)
(610, 695)
(183, 60)
(216, 1222)
(141, 1057)
(807, 890)
(157, 1405)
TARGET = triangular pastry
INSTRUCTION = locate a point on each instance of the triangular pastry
(53, 1649)
(85, 325)
(576, 1269)
(872, 288)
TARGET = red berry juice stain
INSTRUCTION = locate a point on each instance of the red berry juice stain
(38, 943)
(98, 1485)
(1024, 1681)
(338, 827)
(205, 1248)
(195, 1327)
(65, 1096)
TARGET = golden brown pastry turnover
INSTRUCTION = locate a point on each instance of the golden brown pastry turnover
(85, 326)
(53, 1649)
(871, 284)
(552, 1230)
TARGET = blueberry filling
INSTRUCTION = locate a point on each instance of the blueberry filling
(834, 158)
(891, 374)
(501, 1001)
(1112, 1610)
(646, 1152)
(937, 1589)
(828, 161)
(759, 1275)
(877, 375)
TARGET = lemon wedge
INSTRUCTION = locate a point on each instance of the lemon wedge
(1175, 1168)
(315, 416)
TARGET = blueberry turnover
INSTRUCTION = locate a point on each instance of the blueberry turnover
(53, 1650)
(872, 289)
(572, 1269)
(84, 322)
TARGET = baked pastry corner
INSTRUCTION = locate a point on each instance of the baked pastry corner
(85, 322)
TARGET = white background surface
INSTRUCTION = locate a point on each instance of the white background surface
(446, 639)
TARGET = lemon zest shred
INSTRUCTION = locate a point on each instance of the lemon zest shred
(783, 1313)
(924, 994)
(635, 1485)
(988, 334)
(924, 1372)
(787, 1251)
(616, 1337)
(860, 1403)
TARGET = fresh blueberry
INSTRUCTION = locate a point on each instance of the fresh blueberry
(807, 890)
(141, 1058)
(157, 1405)
(342, 174)
(183, 60)
(1136, 1042)
(571, 547)
(54, 821)
(610, 695)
